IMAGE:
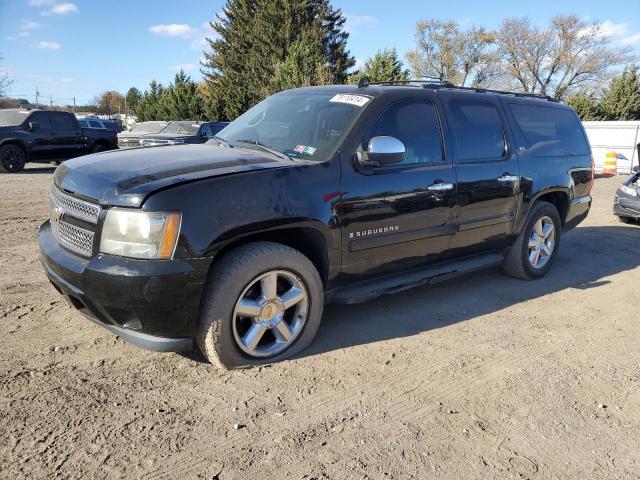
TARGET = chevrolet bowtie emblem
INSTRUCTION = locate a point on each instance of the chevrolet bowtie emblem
(56, 214)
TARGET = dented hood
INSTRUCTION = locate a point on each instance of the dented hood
(126, 177)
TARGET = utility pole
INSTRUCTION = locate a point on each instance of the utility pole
(50, 102)
(74, 105)
(37, 94)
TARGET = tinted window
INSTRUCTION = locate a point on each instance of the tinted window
(414, 123)
(61, 121)
(42, 118)
(94, 124)
(205, 131)
(215, 128)
(550, 132)
(477, 130)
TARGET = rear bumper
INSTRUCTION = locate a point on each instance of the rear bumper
(578, 210)
(153, 304)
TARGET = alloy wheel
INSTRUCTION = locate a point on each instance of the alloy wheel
(270, 313)
(542, 242)
(12, 159)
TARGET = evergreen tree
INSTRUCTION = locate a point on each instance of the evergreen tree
(621, 100)
(260, 41)
(133, 97)
(585, 105)
(150, 106)
(384, 66)
(182, 100)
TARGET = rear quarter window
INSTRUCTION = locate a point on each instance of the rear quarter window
(550, 132)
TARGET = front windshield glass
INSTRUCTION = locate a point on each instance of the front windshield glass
(150, 127)
(181, 128)
(301, 124)
(13, 117)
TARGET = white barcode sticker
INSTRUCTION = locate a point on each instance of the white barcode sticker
(357, 100)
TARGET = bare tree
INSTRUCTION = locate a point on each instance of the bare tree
(5, 81)
(450, 54)
(568, 56)
(109, 103)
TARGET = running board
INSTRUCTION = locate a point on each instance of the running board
(370, 289)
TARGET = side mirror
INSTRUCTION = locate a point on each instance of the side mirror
(383, 151)
(635, 169)
(34, 126)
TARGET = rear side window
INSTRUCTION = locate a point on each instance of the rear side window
(414, 123)
(95, 124)
(477, 130)
(61, 121)
(550, 132)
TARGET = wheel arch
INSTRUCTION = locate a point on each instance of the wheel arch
(558, 197)
(17, 142)
(308, 237)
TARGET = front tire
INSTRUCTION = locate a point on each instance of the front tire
(12, 159)
(263, 304)
(536, 247)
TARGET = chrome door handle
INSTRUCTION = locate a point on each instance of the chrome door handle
(508, 179)
(440, 187)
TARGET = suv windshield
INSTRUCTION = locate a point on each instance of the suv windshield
(13, 117)
(181, 128)
(301, 124)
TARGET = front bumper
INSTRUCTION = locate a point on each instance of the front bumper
(153, 304)
(626, 206)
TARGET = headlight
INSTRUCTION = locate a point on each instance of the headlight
(633, 191)
(137, 234)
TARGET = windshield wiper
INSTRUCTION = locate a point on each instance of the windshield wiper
(266, 148)
(221, 141)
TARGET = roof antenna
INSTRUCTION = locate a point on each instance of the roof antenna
(363, 82)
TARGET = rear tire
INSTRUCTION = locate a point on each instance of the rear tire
(12, 159)
(237, 304)
(536, 247)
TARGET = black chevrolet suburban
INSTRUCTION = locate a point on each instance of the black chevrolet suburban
(44, 136)
(315, 195)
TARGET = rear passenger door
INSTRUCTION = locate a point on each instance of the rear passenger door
(487, 169)
(41, 137)
(67, 135)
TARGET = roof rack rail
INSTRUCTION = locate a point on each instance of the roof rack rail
(437, 83)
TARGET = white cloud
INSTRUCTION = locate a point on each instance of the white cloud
(63, 8)
(29, 25)
(611, 29)
(66, 80)
(629, 41)
(53, 7)
(49, 45)
(23, 34)
(187, 67)
(173, 30)
(12, 38)
(355, 22)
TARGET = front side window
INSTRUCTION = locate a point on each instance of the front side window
(302, 124)
(41, 118)
(206, 131)
(550, 132)
(95, 124)
(477, 130)
(415, 124)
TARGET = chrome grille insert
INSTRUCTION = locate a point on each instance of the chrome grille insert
(74, 238)
(74, 206)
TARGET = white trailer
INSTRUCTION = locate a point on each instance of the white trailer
(620, 137)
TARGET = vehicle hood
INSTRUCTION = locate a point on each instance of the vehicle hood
(132, 134)
(126, 177)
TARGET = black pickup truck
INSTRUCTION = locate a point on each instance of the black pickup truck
(44, 136)
(315, 195)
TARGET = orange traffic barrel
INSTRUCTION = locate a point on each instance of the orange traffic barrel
(610, 164)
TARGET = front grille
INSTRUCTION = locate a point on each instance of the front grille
(73, 237)
(76, 239)
(74, 206)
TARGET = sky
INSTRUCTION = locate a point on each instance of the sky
(79, 48)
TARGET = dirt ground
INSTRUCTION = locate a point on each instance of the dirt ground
(480, 377)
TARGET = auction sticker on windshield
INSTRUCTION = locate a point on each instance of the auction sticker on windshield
(357, 100)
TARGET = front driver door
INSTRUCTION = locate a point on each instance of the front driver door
(399, 215)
